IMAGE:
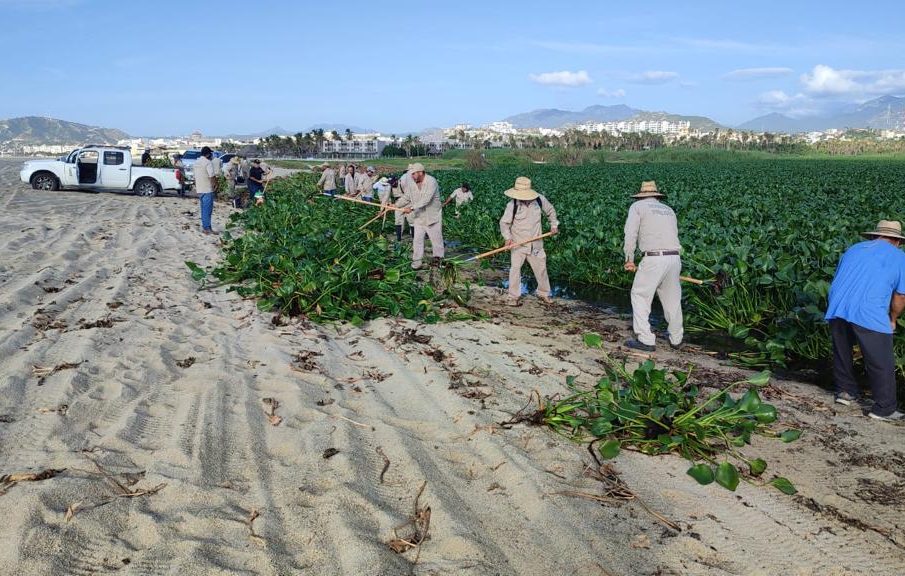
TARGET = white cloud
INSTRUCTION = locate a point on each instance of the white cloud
(825, 81)
(724, 45)
(796, 105)
(620, 93)
(653, 77)
(755, 73)
(563, 78)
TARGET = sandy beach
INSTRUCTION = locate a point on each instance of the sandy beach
(189, 433)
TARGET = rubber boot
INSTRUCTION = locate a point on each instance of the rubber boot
(398, 233)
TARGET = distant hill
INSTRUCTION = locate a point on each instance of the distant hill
(879, 113)
(555, 118)
(697, 122)
(341, 128)
(40, 130)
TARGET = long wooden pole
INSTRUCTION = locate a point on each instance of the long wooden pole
(505, 248)
(365, 202)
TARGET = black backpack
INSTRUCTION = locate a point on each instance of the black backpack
(515, 208)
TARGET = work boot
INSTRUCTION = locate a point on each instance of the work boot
(398, 233)
(638, 345)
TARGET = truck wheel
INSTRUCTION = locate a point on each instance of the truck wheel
(147, 187)
(45, 181)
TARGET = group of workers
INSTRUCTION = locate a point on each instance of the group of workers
(866, 297)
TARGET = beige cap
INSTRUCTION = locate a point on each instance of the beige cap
(416, 167)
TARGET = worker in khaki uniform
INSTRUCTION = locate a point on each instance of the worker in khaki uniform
(651, 227)
(421, 199)
(366, 184)
(522, 220)
(399, 219)
(327, 181)
(350, 181)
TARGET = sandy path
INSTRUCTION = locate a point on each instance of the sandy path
(138, 408)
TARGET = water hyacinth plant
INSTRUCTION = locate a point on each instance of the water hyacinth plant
(654, 412)
(303, 253)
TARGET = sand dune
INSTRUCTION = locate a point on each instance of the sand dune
(157, 416)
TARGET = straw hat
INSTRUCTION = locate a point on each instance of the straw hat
(416, 167)
(325, 165)
(886, 228)
(234, 160)
(522, 190)
(649, 190)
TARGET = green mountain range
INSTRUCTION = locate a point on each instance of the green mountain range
(40, 130)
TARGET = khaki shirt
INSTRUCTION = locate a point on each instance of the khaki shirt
(651, 226)
(204, 175)
(218, 166)
(350, 183)
(328, 179)
(366, 184)
(526, 223)
(424, 199)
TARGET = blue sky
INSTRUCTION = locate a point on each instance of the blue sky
(165, 68)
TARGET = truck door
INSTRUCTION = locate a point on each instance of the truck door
(115, 173)
(86, 168)
(70, 176)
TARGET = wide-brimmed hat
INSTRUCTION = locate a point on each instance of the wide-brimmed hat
(649, 190)
(416, 167)
(234, 160)
(522, 190)
(886, 228)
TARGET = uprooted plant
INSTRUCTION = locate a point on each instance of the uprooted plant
(302, 253)
(654, 412)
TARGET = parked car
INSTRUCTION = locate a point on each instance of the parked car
(98, 168)
(188, 162)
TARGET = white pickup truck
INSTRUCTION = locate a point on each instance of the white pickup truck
(98, 168)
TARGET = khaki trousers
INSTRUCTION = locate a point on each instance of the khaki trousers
(435, 233)
(660, 275)
(537, 259)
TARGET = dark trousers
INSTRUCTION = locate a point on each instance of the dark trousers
(878, 360)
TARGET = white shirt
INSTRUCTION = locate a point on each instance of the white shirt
(204, 175)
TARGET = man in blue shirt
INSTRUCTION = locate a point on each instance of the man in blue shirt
(866, 298)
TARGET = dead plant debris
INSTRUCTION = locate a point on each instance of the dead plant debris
(303, 361)
(7, 481)
(250, 521)
(330, 453)
(420, 521)
(44, 372)
(270, 409)
(386, 463)
(186, 362)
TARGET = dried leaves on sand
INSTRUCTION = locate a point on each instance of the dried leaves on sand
(420, 522)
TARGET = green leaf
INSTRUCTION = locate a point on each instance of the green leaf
(703, 473)
(790, 435)
(392, 275)
(593, 340)
(784, 485)
(760, 379)
(757, 466)
(765, 413)
(749, 402)
(609, 449)
(727, 476)
(198, 273)
(600, 427)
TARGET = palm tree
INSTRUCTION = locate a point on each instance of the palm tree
(349, 134)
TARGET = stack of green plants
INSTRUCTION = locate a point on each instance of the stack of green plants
(303, 253)
(654, 412)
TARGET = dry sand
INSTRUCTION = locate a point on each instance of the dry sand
(163, 388)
